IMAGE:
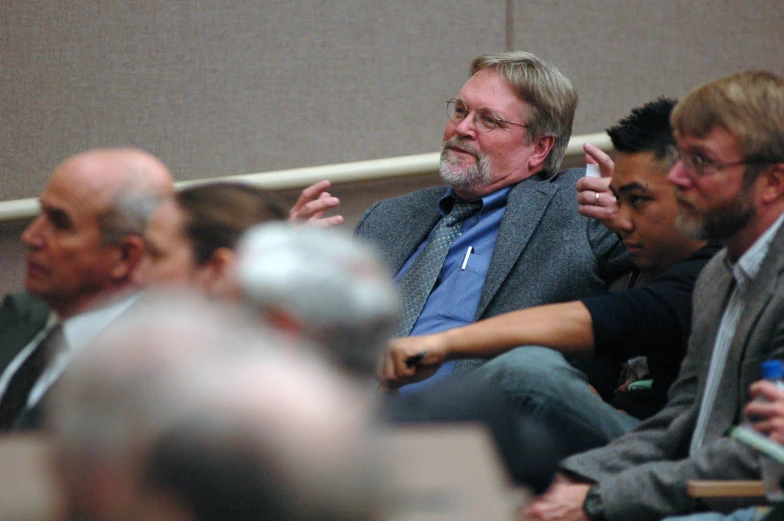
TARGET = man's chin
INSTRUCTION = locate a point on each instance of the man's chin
(457, 164)
(35, 284)
(690, 226)
(460, 178)
(642, 263)
(32, 288)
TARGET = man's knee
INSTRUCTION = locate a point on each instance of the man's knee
(534, 366)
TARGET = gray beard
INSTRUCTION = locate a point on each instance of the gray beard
(463, 178)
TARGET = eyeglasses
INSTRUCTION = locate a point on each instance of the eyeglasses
(485, 121)
(700, 166)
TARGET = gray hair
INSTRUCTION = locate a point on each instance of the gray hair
(278, 437)
(550, 99)
(130, 212)
(131, 379)
(234, 393)
(344, 300)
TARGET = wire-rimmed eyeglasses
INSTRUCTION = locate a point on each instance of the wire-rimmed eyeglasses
(485, 120)
(699, 165)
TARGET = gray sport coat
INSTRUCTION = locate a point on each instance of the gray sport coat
(643, 474)
(546, 252)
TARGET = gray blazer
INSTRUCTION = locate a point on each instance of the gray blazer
(643, 475)
(546, 251)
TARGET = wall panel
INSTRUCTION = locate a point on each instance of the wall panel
(622, 53)
(225, 87)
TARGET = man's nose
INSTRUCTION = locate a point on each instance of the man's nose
(467, 126)
(678, 175)
(623, 220)
(32, 236)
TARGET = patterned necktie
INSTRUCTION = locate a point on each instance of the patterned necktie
(16, 394)
(418, 282)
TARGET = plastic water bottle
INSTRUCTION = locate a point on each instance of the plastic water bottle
(772, 470)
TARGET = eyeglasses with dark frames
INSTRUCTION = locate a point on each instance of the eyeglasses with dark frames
(485, 120)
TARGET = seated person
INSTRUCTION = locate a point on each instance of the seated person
(324, 287)
(728, 184)
(766, 416)
(652, 321)
(83, 254)
(191, 238)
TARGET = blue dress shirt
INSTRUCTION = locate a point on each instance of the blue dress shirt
(454, 300)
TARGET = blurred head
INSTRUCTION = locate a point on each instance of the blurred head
(86, 244)
(730, 134)
(530, 106)
(139, 376)
(275, 438)
(191, 238)
(645, 152)
(321, 284)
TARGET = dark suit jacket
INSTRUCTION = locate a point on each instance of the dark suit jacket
(22, 316)
(643, 475)
(546, 252)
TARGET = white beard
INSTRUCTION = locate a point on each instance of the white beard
(463, 177)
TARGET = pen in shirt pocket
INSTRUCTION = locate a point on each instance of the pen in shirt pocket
(469, 251)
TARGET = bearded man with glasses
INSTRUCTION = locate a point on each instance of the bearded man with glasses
(729, 185)
(506, 232)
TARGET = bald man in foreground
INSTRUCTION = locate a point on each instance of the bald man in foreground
(83, 252)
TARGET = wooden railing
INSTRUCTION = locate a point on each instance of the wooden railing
(419, 164)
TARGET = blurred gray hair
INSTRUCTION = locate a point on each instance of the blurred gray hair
(226, 388)
(336, 288)
(136, 376)
(278, 437)
(130, 212)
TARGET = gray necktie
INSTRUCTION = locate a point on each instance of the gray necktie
(418, 282)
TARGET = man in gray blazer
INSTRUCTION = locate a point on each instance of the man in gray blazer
(527, 245)
(730, 187)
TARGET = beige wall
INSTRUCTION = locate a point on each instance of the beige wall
(227, 87)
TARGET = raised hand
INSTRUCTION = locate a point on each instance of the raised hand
(593, 193)
(311, 205)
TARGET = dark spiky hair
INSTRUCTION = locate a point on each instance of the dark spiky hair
(647, 129)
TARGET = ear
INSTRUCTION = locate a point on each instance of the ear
(283, 321)
(542, 147)
(215, 275)
(773, 186)
(130, 252)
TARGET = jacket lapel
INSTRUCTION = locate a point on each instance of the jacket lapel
(743, 347)
(525, 207)
(14, 338)
(423, 216)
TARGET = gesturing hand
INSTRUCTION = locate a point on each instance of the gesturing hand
(311, 205)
